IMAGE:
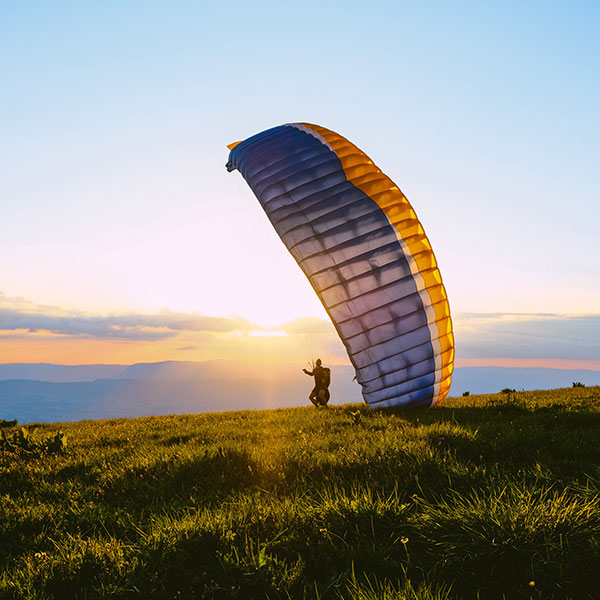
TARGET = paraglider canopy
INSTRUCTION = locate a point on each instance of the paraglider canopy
(360, 244)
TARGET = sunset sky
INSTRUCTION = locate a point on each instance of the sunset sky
(124, 239)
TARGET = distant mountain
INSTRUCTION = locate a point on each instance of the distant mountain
(165, 370)
(51, 372)
(177, 370)
(117, 397)
(489, 380)
(191, 387)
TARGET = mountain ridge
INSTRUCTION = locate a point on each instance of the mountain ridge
(176, 387)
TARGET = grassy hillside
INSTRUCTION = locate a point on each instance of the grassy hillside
(490, 495)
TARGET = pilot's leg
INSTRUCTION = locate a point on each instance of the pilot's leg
(323, 396)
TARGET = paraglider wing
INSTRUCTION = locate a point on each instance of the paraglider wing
(358, 240)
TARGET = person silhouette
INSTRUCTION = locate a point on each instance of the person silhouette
(319, 395)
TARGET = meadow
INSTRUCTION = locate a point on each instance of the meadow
(484, 497)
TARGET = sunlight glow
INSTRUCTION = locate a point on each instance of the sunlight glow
(267, 333)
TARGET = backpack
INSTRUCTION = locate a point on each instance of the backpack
(325, 377)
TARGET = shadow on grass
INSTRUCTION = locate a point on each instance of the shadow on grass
(210, 474)
(562, 443)
(465, 449)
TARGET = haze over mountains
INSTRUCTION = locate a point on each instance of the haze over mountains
(49, 393)
(50, 372)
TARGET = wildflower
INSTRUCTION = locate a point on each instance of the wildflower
(324, 531)
(532, 583)
(404, 540)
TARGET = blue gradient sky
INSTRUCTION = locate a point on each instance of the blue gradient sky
(115, 118)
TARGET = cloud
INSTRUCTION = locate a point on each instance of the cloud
(478, 336)
(527, 335)
(21, 315)
(18, 314)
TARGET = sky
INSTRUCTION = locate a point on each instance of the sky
(124, 239)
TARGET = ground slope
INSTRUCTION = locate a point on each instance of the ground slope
(496, 495)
